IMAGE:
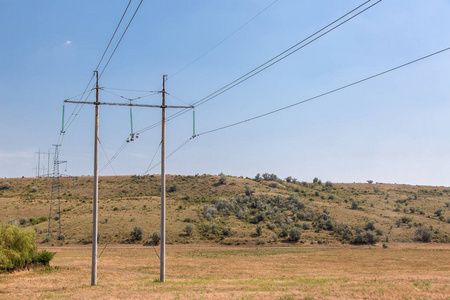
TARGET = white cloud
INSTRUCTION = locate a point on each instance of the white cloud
(68, 42)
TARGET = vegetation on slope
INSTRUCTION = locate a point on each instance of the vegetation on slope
(233, 210)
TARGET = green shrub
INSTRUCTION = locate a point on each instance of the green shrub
(5, 186)
(273, 185)
(355, 204)
(226, 231)
(136, 234)
(371, 225)
(423, 234)
(156, 237)
(189, 229)
(173, 188)
(329, 184)
(44, 257)
(222, 178)
(18, 249)
(295, 234)
(249, 191)
(258, 230)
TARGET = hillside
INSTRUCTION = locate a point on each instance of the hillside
(229, 210)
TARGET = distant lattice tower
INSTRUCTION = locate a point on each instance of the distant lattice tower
(54, 218)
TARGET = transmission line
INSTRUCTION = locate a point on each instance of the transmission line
(120, 40)
(324, 94)
(271, 61)
(114, 34)
(219, 43)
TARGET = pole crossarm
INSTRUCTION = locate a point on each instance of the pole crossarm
(129, 104)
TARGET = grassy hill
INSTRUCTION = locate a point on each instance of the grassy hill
(232, 210)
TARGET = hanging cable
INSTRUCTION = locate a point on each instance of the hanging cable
(272, 61)
(219, 43)
(324, 94)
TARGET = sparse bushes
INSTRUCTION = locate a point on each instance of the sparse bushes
(273, 185)
(438, 212)
(423, 234)
(136, 234)
(328, 184)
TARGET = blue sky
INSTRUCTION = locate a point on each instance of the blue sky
(390, 129)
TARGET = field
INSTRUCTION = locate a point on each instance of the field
(354, 240)
(403, 271)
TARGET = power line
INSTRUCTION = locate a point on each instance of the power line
(74, 115)
(171, 153)
(284, 54)
(106, 155)
(114, 34)
(223, 40)
(324, 94)
(151, 162)
(270, 62)
(120, 40)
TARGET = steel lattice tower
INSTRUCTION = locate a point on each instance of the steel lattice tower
(54, 218)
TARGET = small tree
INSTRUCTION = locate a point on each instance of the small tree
(156, 237)
(136, 233)
(328, 184)
(189, 229)
(315, 180)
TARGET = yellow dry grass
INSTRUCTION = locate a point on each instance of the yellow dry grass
(403, 271)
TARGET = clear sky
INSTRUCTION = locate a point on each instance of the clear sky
(393, 128)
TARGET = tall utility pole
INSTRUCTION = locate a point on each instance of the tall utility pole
(95, 205)
(163, 181)
(162, 265)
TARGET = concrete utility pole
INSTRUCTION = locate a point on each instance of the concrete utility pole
(162, 265)
(163, 177)
(95, 204)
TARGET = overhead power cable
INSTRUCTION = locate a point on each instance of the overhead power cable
(324, 94)
(168, 156)
(114, 34)
(79, 106)
(273, 60)
(223, 40)
(120, 40)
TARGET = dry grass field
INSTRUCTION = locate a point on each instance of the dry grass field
(403, 271)
(211, 263)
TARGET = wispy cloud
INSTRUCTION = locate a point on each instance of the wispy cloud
(68, 42)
